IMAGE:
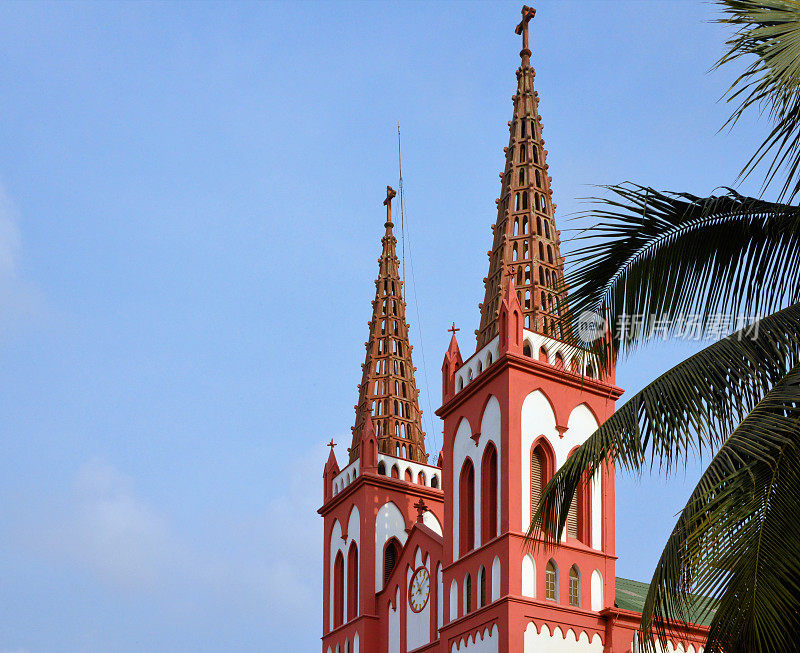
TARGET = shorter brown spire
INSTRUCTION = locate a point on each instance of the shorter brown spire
(388, 392)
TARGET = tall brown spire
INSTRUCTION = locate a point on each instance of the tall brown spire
(388, 391)
(525, 234)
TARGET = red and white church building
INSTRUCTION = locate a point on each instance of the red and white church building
(430, 556)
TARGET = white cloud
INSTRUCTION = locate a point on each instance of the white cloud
(107, 530)
(9, 237)
(265, 564)
(17, 297)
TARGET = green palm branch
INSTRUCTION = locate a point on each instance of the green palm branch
(734, 553)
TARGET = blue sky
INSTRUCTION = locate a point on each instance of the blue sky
(190, 213)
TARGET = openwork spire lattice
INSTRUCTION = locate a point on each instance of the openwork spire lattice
(525, 234)
(388, 390)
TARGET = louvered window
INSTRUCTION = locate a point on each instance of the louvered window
(389, 560)
(537, 478)
(572, 517)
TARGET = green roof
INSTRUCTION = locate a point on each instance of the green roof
(630, 595)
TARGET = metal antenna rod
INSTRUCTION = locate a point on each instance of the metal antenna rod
(402, 212)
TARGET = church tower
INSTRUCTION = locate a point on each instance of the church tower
(386, 494)
(422, 558)
(513, 412)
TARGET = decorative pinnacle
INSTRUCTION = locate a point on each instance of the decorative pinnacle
(527, 14)
(390, 195)
(453, 329)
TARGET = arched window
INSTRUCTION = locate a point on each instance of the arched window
(338, 590)
(551, 581)
(390, 555)
(526, 349)
(408, 477)
(468, 594)
(542, 355)
(466, 506)
(396, 469)
(574, 586)
(460, 384)
(352, 582)
(535, 150)
(546, 229)
(540, 474)
(559, 360)
(549, 254)
(435, 481)
(541, 252)
(489, 494)
(382, 468)
(481, 587)
(521, 176)
(489, 359)
(517, 202)
(480, 367)
(538, 179)
(525, 202)
(421, 478)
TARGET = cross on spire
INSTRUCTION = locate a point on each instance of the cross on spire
(527, 14)
(390, 195)
(453, 329)
(510, 272)
(421, 509)
(331, 444)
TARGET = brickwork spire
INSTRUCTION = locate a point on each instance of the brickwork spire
(388, 390)
(525, 234)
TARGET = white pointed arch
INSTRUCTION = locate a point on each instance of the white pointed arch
(496, 578)
(538, 418)
(430, 520)
(529, 576)
(597, 590)
(389, 522)
(461, 451)
(490, 432)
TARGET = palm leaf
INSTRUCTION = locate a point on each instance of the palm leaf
(687, 411)
(661, 256)
(738, 538)
(770, 31)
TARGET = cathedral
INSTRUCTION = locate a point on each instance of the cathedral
(428, 554)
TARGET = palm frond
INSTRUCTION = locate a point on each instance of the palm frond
(655, 259)
(769, 30)
(737, 540)
(688, 410)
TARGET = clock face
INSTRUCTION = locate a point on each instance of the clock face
(419, 590)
